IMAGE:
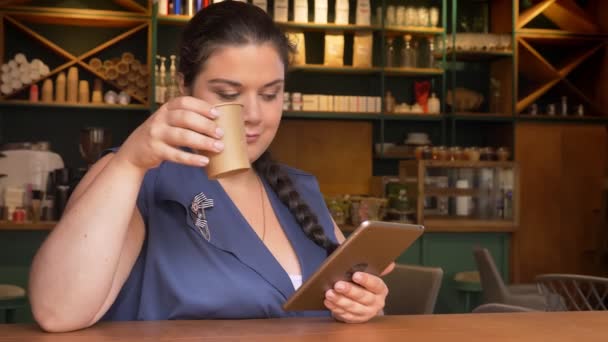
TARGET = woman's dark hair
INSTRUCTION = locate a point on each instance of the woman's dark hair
(237, 23)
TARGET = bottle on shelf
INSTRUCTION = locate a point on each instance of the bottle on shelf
(163, 7)
(391, 53)
(408, 54)
(430, 61)
(172, 87)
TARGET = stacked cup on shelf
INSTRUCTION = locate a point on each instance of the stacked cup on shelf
(18, 73)
(126, 72)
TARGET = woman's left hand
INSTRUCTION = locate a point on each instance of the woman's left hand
(360, 302)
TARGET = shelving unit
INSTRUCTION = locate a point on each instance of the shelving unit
(547, 33)
(28, 20)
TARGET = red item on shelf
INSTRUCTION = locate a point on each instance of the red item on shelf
(19, 215)
(34, 93)
(423, 90)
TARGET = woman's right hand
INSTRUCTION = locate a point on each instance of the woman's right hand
(182, 122)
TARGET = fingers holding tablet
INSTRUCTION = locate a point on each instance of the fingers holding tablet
(354, 303)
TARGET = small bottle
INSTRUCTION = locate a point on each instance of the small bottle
(564, 106)
(431, 54)
(172, 87)
(391, 53)
(163, 7)
(162, 81)
(408, 55)
(157, 81)
(434, 105)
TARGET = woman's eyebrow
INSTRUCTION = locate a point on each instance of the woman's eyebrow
(237, 84)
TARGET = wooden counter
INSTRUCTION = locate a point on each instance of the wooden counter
(7, 225)
(562, 326)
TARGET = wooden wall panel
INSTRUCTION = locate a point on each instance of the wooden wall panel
(536, 243)
(562, 169)
(583, 160)
(338, 153)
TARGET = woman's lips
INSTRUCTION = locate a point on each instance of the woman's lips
(251, 138)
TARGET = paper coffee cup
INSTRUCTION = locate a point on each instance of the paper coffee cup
(233, 159)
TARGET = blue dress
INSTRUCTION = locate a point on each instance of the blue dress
(179, 274)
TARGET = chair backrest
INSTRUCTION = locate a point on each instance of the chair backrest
(499, 307)
(577, 292)
(494, 289)
(413, 290)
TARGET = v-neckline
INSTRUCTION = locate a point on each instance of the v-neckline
(270, 195)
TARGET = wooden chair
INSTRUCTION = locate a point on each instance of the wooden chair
(575, 292)
(11, 298)
(495, 290)
(413, 290)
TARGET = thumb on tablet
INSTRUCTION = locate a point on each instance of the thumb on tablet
(388, 269)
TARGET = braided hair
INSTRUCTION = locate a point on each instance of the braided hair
(238, 23)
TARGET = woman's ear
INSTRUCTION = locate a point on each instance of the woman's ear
(183, 90)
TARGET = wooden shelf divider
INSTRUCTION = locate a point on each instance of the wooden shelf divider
(112, 41)
(530, 98)
(531, 13)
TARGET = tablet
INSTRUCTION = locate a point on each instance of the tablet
(370, 248)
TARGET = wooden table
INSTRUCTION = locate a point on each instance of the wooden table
(566, 326)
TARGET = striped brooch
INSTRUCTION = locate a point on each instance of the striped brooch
(197, 210)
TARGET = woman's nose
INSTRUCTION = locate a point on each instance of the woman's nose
(251, 109)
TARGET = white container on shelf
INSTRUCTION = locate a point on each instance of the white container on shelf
(281, 10)
(342, 9)
(463, 203)
(263, 4)
(163, 7)
(321, 11)
(300, 11)
(363, 16)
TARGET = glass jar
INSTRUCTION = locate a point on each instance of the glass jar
(503, 154)
(391, 53)
(472, 154)
(487, 154)
(423, 16)
(442, 153)
(434, 16)
(427, 153)
(408, 53)
(455, 153)
(411, 16)
(391, 16)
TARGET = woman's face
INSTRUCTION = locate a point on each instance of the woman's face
(252, 75)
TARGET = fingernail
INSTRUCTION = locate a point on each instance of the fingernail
(219, 146)
(357, 276)
(340, 286)
(331, 295)
(214, 112)
(203, 161)
(219, 132)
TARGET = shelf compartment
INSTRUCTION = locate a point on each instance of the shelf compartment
(413, 71)
(83, 18)
(295, 114)
(466, 164)
(532, 12)
(412, 117)
(533, 64)
(47, 225)
(530, 98)
(451, 192)
(476, 56)
(418, 30)
(564, 119)
(24, 103)
(565, 14)
(326, 27)
(469, 116)
(468, 225)
(336, 70)
(126, 8)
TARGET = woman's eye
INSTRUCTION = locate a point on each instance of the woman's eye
(268, 97)
(228, 97)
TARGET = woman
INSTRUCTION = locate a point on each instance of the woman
(129, 246)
